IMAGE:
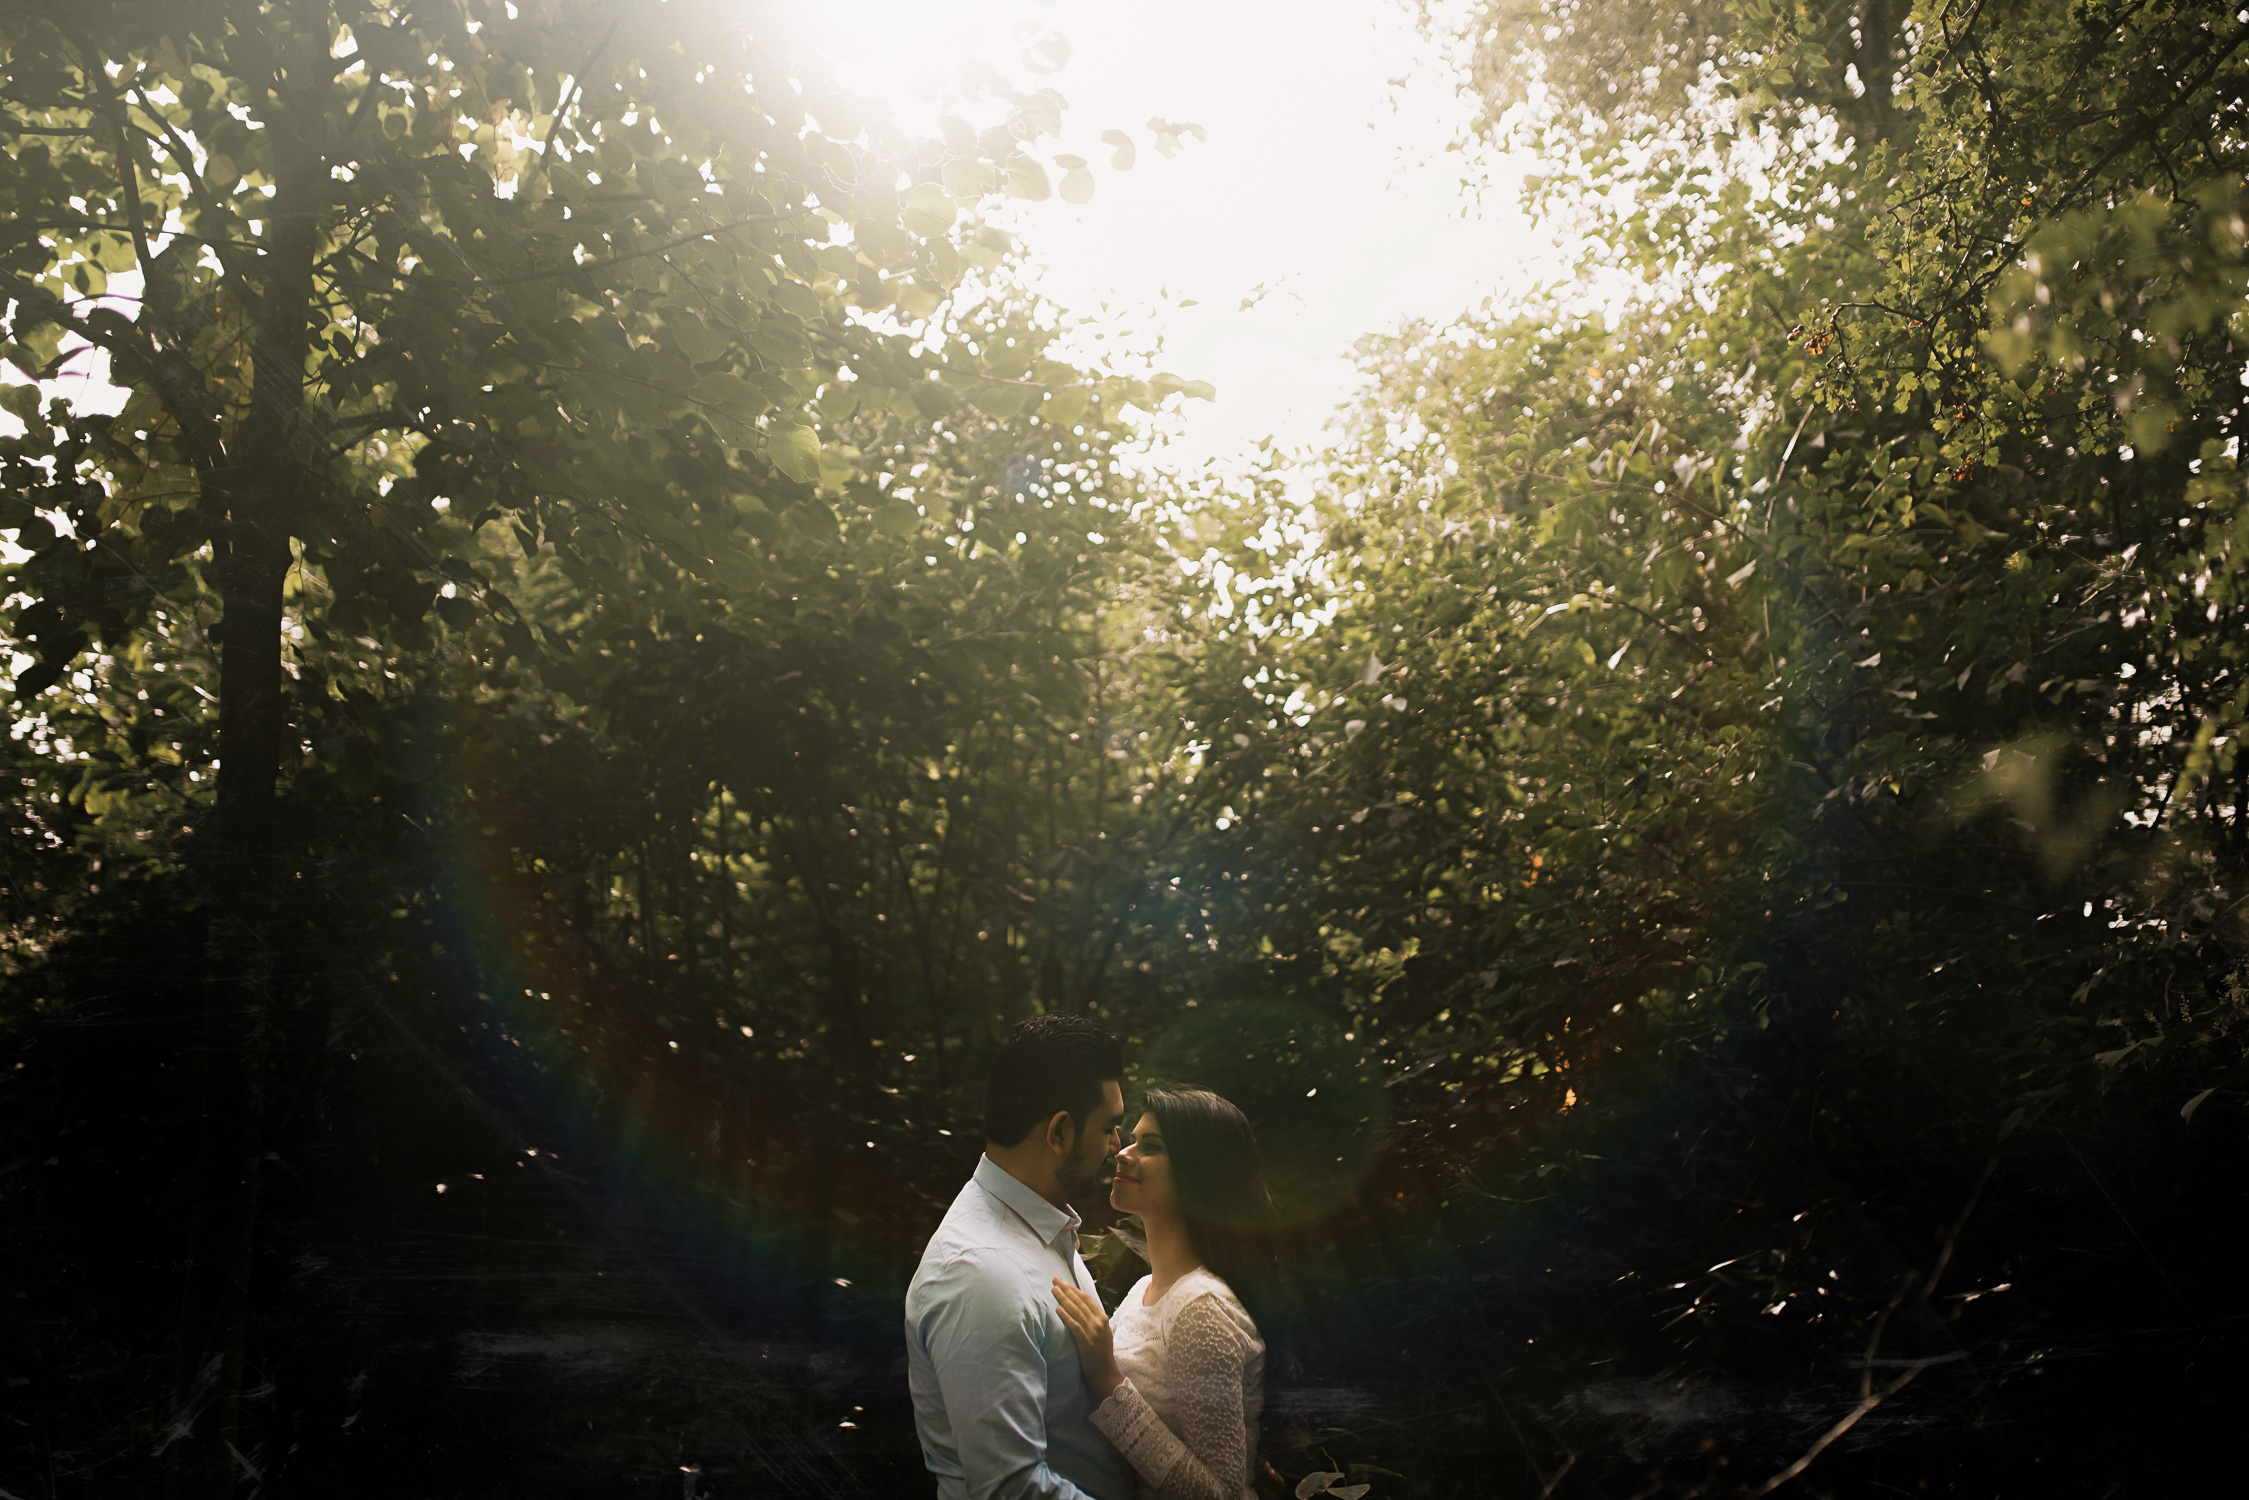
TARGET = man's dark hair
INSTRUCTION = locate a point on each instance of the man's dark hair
(1045, 1065)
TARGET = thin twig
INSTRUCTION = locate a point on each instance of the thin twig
(1790, 452)
(185, 158)
(1952, 1235)
(577, 86)
(1874, 1340)
(669, 245)
(2124, 1219)
(1869, 1397)
(1850, 1420)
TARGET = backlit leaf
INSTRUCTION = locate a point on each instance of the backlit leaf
(1026, 178)
(930, 210)
(795, 451)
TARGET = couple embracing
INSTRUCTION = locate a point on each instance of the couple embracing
(1022, 1385)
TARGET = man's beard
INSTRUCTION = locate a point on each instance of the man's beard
(1094, 1174)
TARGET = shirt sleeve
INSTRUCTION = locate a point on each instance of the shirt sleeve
(984, 1345)
(1203, 1364)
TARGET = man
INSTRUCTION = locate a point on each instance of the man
(999, 1399)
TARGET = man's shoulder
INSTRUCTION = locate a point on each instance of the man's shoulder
(978, 1237)
(985, 1284)
(997, 1255)
(972, 1218)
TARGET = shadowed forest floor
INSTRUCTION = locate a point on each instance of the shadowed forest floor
(532, 1332)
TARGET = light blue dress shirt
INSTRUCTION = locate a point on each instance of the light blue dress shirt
(999, 1397)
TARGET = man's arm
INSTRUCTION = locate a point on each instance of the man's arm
(984, 1343)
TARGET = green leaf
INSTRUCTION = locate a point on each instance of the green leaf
(968, 179)
(897, 518)
(732, 402)
(799, 300)
(1168, 133)
(1065, 407)
(1001, 401)
(781, 343)
(919, 298)
(1166, 383)
(795, 451)
(930, 210)
(1040, 114)
(1026, 179)
(696, 340)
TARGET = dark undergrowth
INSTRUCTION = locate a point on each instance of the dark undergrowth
(1718, 1263)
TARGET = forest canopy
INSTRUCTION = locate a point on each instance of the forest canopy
(1707, 829)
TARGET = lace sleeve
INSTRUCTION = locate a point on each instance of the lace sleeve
(1203, 1364)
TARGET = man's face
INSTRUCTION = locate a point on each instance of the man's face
(1087, 1165)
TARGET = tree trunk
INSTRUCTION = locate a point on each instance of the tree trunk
(255, 496)
(1872, 116)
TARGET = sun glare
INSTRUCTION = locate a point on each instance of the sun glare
(925, 58)
(1317, 198)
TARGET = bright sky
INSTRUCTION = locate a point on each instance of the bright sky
(1324, 194)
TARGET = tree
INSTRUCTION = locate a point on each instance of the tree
(1798, 704)
(406, 273)
(1764, 758)
(1960, 406)
(889, 805)
(1611, 67)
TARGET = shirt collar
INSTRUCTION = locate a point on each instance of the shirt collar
(1046, 1221)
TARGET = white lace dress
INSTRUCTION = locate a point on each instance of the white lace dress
(1186, 1415)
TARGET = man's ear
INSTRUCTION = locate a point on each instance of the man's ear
(1061, 1133)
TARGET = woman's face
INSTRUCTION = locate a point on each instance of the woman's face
(1144, 1184)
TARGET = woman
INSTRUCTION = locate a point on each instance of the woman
(1180, 1371)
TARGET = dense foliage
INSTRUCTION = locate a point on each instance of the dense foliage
(1713, 847)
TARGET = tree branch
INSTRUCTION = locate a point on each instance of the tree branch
(577, 86)
(1850, 1420)
(669, 245)
(184, 156)
(1870, 1398)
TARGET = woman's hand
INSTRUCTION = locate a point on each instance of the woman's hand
(1089, 1325)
